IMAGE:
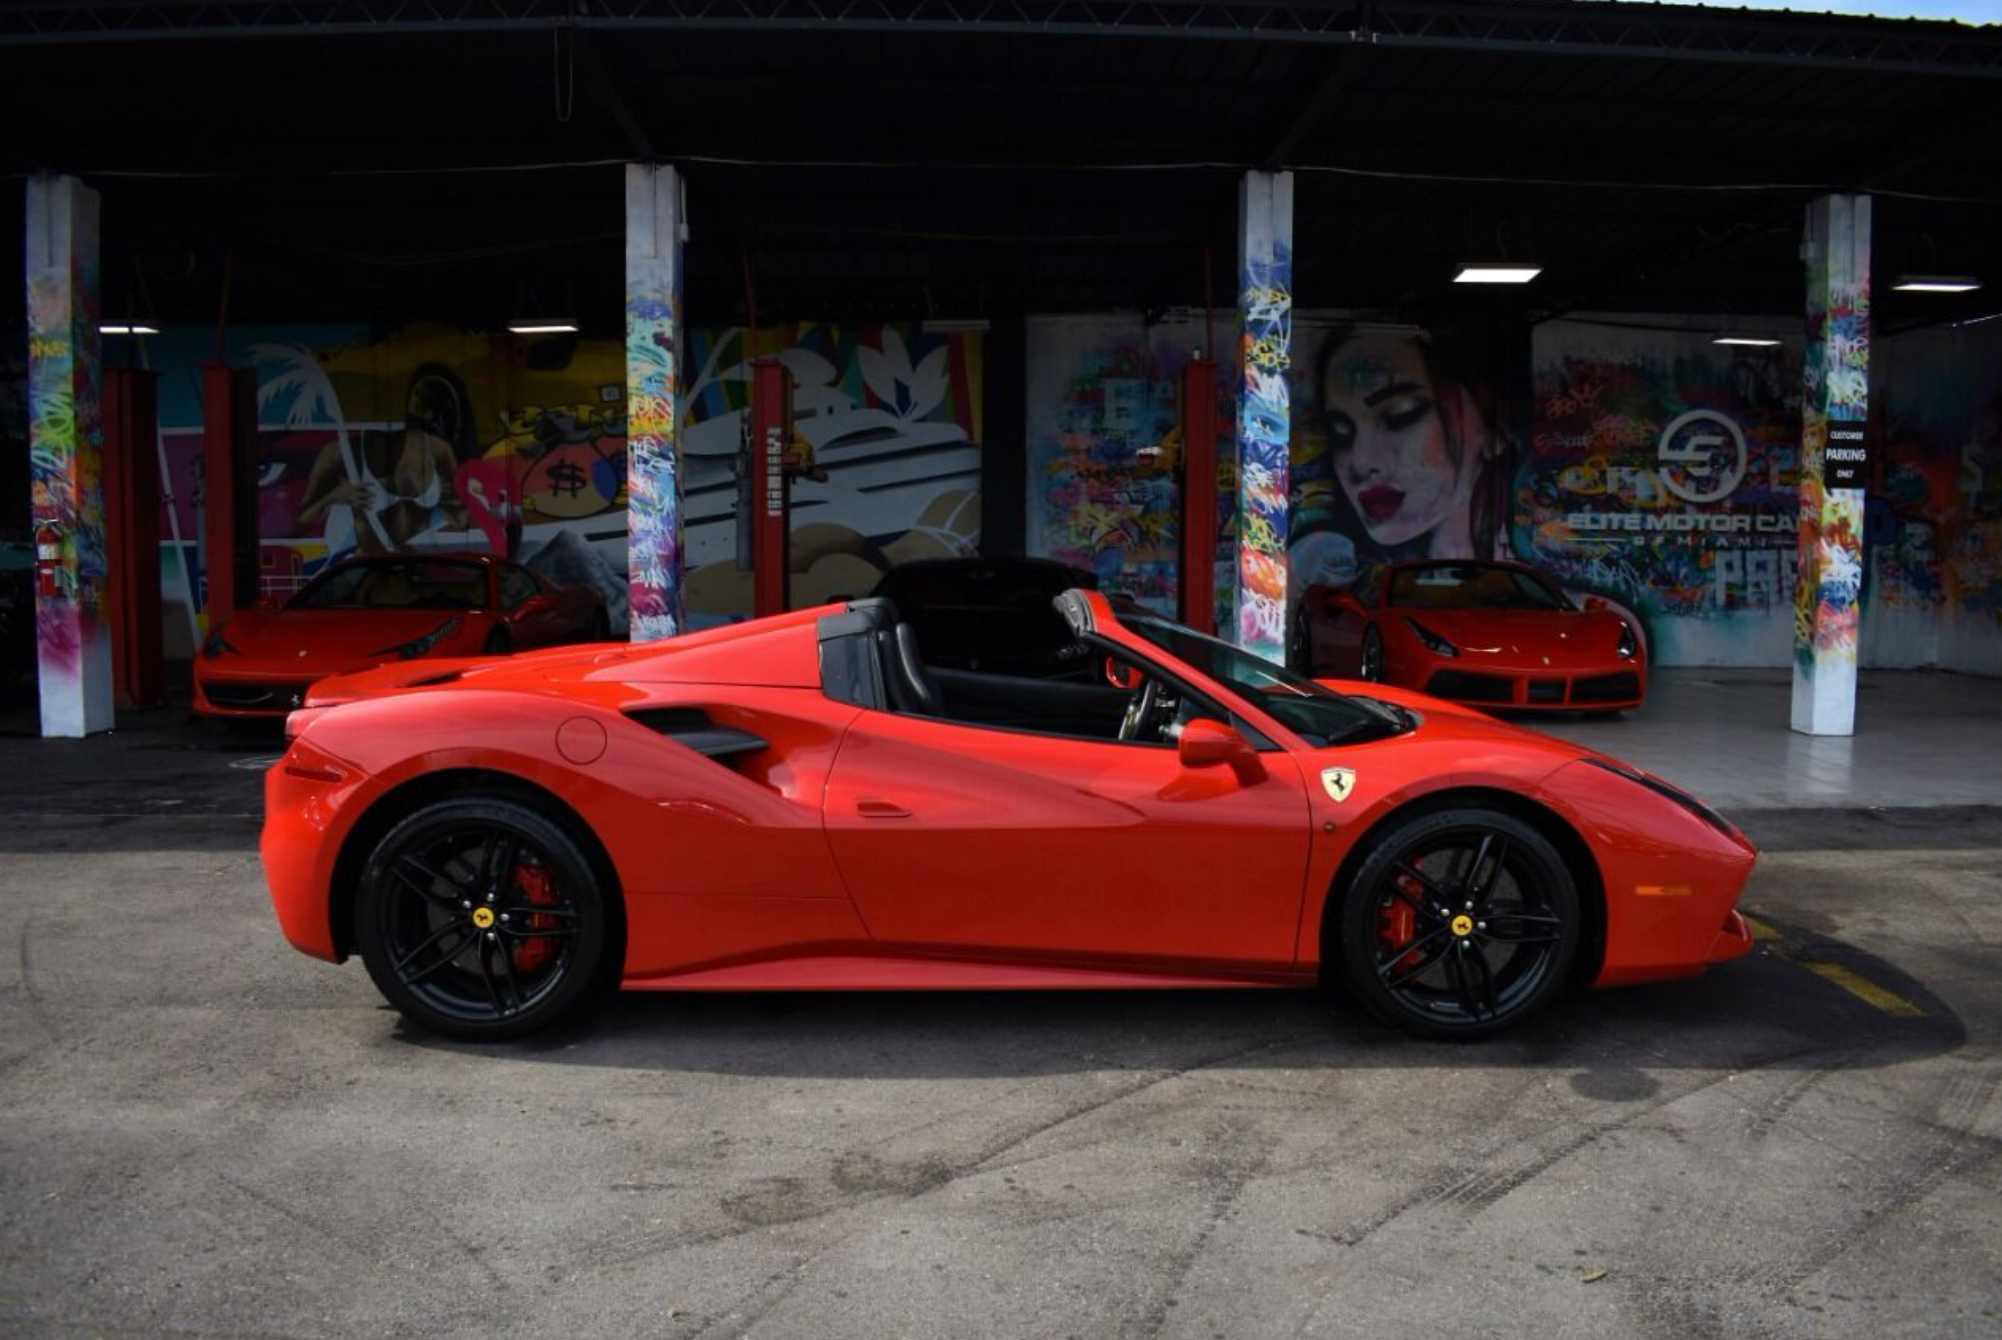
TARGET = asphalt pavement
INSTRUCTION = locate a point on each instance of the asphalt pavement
(206, 1134)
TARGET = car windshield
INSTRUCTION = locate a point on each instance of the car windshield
(1314, 712)
(1471, 586)
(396, 583)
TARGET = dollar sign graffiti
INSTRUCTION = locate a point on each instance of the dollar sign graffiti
(566, 478)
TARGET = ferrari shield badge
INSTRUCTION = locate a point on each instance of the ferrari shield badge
(1339, 782)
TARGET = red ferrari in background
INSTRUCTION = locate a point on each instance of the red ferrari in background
(802, 802)
(1490, 634)
(394, 607)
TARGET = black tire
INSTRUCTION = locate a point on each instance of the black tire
(1459, 924)
(499, 643)
(457, 895)
(1372, 656)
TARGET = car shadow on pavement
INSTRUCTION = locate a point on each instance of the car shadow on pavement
(1767, 1011)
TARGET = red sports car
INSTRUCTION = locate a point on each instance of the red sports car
(397, 607)
(1492, 634)
(801, 802)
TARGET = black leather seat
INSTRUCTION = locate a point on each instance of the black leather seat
(911, 688)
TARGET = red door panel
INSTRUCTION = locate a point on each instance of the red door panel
(957, 836)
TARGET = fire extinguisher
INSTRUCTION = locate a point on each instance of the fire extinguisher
(49, 560)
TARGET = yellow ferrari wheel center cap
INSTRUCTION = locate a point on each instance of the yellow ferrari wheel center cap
(483, 917)
(1463, 925)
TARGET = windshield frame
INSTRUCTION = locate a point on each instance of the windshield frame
(1091, 613)
(484, 571)
(1560, 602)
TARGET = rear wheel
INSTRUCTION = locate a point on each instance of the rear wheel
(1460, 923)
(480, 918)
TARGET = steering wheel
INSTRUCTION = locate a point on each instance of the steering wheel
(1140, 710)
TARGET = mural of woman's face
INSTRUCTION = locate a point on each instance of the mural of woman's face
(1386, 425)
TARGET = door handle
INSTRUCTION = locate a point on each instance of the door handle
(881, 809)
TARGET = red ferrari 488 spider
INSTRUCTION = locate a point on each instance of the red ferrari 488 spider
(396, 607)
(801, 802)
(1486, 633)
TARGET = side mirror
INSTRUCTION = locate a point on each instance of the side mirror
(1122, 676)
(1206, 743)
(1595, 604)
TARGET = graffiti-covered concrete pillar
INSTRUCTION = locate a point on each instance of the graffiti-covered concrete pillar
(1264, 419)
(1834, 459)
(653, 332)
(66, 457)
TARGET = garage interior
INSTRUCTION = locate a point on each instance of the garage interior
(988, 241)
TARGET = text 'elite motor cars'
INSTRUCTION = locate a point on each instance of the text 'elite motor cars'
(260, 662)
(1486, 633)
(803, 802)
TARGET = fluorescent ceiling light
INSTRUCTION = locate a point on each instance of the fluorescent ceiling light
(1936, 284)
(1746, 340)
(946, 325)
(545, 326)
(127, 330)
(1497, 274)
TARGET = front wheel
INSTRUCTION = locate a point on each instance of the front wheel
(1460, 923)
(480, 918)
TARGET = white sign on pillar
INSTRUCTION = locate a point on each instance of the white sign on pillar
(1834, 465)
(1264, 414)
(654, 235)
(66, 455)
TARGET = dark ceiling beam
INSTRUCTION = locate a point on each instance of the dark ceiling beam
(602, 87)
(1664, 32)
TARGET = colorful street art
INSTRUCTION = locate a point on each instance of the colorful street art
(653, 323)
(1103, 423)
(65, 457)
(1662, 475)
(1836, 368)
(437, 438)
(1264, 410)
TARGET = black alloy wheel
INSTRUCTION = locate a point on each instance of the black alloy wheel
(1372, 655)
(479, 918)
(1460, 923)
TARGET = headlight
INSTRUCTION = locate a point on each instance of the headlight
(1629, 644)
(418, 646)
(215, 644)
(1435, 644)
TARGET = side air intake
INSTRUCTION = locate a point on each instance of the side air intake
(692, 727)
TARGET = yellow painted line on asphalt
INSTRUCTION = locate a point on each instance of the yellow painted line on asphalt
(1857, 985)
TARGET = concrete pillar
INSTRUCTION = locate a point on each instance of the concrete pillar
(1834, 417)
(654, 234)
(66, 456)
(1264, 418)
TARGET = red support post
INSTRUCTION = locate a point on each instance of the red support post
(132, 535)
(771, 489)
(1199, 495)
(229, 488)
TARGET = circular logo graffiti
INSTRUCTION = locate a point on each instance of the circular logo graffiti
(1702, 455)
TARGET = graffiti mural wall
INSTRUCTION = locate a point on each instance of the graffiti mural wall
(1663, 473)
(435, 438)
(1933, 530)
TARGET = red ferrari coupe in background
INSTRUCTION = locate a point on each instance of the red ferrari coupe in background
(803, 802)
(396, 607)
(1487, 633)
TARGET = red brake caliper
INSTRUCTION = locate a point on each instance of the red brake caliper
(532, 953)
(1397, 924)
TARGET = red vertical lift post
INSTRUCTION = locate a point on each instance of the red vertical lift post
(132, 534)
(229, 488)
(1199, 431)
(771, 486)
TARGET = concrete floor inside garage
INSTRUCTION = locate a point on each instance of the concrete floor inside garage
(210, 1135)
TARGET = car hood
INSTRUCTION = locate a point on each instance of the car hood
(1569, 638)
(332, 635)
